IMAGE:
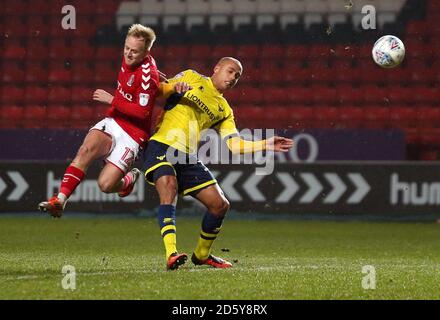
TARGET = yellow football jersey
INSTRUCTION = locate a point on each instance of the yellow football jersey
(200, 108)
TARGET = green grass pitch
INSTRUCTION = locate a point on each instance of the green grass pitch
(283, 260)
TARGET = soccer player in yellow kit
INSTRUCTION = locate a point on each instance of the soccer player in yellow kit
(187, 114)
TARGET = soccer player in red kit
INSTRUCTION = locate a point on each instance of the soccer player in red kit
(125, 130)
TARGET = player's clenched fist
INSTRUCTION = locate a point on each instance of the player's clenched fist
(102, 96)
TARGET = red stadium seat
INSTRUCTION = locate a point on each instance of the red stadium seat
(300, 95)
(106, 76)
(13, 27)
(343, 72)
(430, 137)
(14, 8)
(326, 117)
(199, 51)
(60, 76)
(83, 52)
(350, 117)
(56, 6)
(36, 50)
(345, 52)
(37, 26)
(398, 76)
(248, 52)
(296, 52)
(112, 52)
(425, 76)
(377, 117)
(272, 52)
(36, 73)
(278, 116)
(99, 112)
(301, 117)
(13, 53)
(82, 95)
(399, 95)
(12, 74)
(250, 76)
(82, 73)
(364, 52)
(85, 28)
(320, 75)
(234, 96)
(416, 29)
(323, 95)
(59, 95)
(369, 73)
(349, 95)
(224, 51)
(275, 96)
(35, 95)
(320, 52)
(296, 76)
(35, 116)
(176, 52)
(403, 117)
(39, 7)
(58, 116)
(248, 116)
(250, 95)
(291, 64)
(170, 68)
(416, 49)
(11, 116)
(85, 8)
(157, 51)
(375, 95)
(428, 117)
(271, 76)
(59, 50)
(106, 7)
(82, 116)
(11, 94)
(425, 96)
(55, 30)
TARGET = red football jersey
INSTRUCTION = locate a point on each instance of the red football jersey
(134, 99)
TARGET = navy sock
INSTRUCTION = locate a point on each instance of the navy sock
(211, 224)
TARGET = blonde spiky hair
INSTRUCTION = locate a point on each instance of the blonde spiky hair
(146, 33)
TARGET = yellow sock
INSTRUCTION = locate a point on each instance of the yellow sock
(204, 245)
(170, 244)
(169, 240)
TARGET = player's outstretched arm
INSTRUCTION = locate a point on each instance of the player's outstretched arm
(102, 96)
(277, 144)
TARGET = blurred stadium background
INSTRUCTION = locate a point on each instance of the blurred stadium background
(371, 138)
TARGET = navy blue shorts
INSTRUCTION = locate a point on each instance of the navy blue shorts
(192, 175)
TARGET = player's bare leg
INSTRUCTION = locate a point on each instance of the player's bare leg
(113, 179)
(166, 187)
(217, 204)
(96, 145)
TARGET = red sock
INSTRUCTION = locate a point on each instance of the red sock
(72, 178)
(128, 178)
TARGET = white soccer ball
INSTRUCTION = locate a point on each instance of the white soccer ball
(388, 51)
